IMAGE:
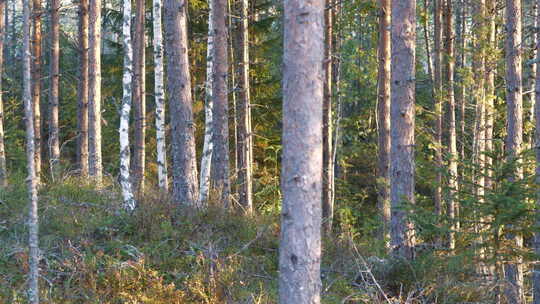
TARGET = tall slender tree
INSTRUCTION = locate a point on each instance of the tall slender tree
(125, 181)
(402, 122)
(301, 178)
(33, 226)
(82, 90)
(3, 169)
(54, 142)
(514, 138)
(37, 11)
(94, 92)
(184, 169)
(383, 116)
(221, 108)
(536, 242)
(491, 66)
(437, 69)
(159, 92)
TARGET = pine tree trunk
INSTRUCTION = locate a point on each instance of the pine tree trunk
(383, 116)
(491, 66)
(402, 122)
(208, 146)
(245, 138)
(94, 93)
(461, 98)
(37, 10)
(82, 92)
(3, 36)
(125, 181)
(54, 142)
(159, 92)
(437, 66)
(184, 169)
(33, 228)
(301, 167)
(139, 98)
(536, 241)
(220, 103)
(514, 139)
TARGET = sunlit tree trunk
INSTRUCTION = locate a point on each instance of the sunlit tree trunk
(125, 181)
(220, 103)
(82, 90)
(185, 185)
(159, 93)
(94, 92)
(383, 116)
(301, 167)
(54, 142)
(3, 40)
(437, 69)
(491, 67)
(402, 122)
(37, 11)
(208, 146)
(33, 228)
(139, 98)
(514, 139)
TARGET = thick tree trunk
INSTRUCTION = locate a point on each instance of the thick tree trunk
(402, 121)
(437, 67)
(513, 270)
(185, 185)
(220, 103)
(245, 138)
(37, 10)
(33, 228)
(159, 92)
(383, 116)
(94, 93)
(54, 142)
(125, 181)
(301, 178)
(82, 93)
(3, 169)
(139, 98)
(208, 146)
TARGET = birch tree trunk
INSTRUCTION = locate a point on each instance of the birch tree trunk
(37, 10)
(3, 36)
(383, 116)
(159, 92)
(245, 138)
(301, 178)
(94, 93)
(139, 98)
(54, 143)
(513, 270)
(437, 67)
(82, 92)
(125, 181)
(208, 146)
(33, 228)
(185, 185)
(402, 122)
(221, 107)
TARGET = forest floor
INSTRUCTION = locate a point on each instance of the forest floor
(93, 252)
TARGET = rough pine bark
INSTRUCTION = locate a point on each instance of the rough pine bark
(54, 142)
(125, 181)
(3, 169)
(37, 11)
(383, 116)
(82, 92)
(402, 120)
(94, 92)
(184, 169)
(159, 92)
(33, 228)
(245, 138)
(514, 139)
(301, 178)
(208, 146)
(220, 103)
(139, 98)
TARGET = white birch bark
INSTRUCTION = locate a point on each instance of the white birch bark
(125, 181)
(160, 98)
(208, 147)
(33, 287)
